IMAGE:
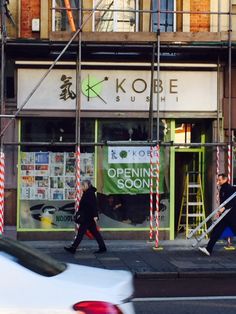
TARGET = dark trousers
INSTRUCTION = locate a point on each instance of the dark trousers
(92, 227)
(219, 229)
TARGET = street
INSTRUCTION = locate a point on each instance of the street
(185, 287)
(203, 305)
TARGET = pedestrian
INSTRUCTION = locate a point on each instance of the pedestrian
(226, 190)
(86, 217)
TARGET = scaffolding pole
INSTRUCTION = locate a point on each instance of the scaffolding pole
(230, 94)
(3, 42)
(151, 95)
(48, 71)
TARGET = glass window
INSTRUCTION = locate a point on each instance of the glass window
(47, 172)
(64, 20)
(124, 175)
(167, 19)
(55, 130)
(111, 20)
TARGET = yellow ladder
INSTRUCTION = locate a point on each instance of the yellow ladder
(192, 210)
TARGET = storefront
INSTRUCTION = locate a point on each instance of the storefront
(114, 105)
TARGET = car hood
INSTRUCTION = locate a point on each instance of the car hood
(115, 284)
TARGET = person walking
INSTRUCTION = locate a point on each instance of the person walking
(86, 217)
(226, 190)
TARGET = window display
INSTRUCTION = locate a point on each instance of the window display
(47, 181)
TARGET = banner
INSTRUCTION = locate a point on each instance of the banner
(127, 170)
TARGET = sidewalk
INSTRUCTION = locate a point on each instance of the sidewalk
(176, 259)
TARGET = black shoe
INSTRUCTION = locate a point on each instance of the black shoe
(70, 249)
(103, 250)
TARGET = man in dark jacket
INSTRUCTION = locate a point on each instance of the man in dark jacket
(88, 215)
(226, 190)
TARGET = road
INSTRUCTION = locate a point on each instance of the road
(187, 287)
(185, 296)
(203, 305)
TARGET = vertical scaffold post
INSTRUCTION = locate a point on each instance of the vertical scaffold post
(151, 194)
(2, 180)
(78, 115)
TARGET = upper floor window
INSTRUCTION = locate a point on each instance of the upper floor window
(116, 16)
(62, 19)
(166, 18)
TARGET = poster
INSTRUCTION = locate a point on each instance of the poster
(51, 176)
(127, 170)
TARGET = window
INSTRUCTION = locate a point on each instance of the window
(167, 19)
(64, 20)
(110, 20)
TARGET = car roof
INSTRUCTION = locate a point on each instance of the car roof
(31, 258)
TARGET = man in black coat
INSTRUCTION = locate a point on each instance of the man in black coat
(226, 190)
(87, 216)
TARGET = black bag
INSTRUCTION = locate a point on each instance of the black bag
(78, 218)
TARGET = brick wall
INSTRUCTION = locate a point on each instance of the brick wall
(200, 22)
(29, 10)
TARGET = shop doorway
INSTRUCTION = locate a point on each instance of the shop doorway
(187, 161)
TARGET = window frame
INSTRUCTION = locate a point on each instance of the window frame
(115, 23)
(174, 18)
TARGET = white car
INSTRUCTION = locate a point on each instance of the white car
(34, 283)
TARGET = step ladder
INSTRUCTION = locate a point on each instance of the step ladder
(192, 210)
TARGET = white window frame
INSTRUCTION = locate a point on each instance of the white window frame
(115, 27)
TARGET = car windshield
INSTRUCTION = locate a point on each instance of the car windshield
(31, 258)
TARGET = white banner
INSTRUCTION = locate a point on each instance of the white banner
(119, 90)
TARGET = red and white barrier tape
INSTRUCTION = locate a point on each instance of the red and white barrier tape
(157, 194)
(151, 195)
(229, 163)
(217, 172)
(77, 178)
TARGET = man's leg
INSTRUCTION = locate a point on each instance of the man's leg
(215, 235)
(93, 229)
(80, 233)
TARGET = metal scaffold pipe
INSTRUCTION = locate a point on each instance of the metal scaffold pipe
(47, 72)
(144, 11)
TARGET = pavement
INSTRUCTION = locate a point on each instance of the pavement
(172, 259)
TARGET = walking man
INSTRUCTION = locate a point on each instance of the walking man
(226, 190)
(86, 218)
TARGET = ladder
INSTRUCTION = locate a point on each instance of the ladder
(192, 210)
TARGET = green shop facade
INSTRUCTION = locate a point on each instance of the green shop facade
(114, 130)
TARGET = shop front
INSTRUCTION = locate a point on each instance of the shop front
(115, 156)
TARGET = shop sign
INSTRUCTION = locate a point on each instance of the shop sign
(119, 90)
(127, 170)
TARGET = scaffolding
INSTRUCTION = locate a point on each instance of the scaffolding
(155, 70)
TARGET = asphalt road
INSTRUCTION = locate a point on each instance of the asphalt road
(203, 305)
(185, 287)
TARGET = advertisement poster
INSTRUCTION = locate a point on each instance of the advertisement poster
(47, 192)
(127, 170)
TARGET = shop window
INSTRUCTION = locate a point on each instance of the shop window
(166, 19)
(47, 172)
(124, 174)
(107, 19)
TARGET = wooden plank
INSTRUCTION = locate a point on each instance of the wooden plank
(145, 37)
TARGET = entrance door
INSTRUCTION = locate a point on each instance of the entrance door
(186, 160)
